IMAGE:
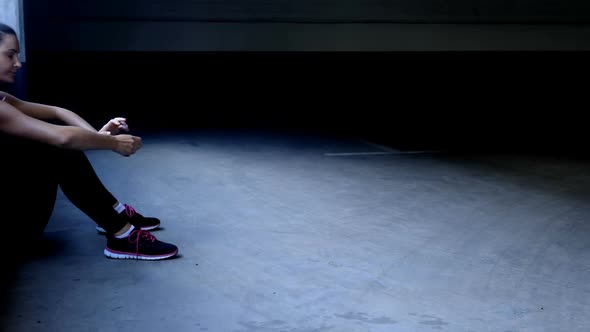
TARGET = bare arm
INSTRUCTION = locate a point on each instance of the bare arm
(46, 112)
(17, 123)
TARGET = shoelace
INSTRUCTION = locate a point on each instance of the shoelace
(139, 234)
(129, 210)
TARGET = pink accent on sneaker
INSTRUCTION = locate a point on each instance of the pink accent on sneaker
(129, 210)
(138, 235)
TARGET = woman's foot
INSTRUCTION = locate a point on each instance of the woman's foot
(139, 245)
(136, 219)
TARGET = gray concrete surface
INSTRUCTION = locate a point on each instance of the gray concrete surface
(292, 233)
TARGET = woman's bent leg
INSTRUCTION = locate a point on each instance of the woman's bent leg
(81, 185)
(29, 186)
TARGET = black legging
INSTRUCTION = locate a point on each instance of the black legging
(32, 172)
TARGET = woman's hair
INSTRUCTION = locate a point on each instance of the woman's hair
(5, 30)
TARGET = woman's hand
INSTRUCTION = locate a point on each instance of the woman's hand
(115, 126)
(127, 145)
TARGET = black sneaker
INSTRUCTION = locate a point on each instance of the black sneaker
(137, 220)
(139, 245)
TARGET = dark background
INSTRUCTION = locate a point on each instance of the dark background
(424, 74)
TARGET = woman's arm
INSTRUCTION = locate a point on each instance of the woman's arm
(17, 123)
(47, 112)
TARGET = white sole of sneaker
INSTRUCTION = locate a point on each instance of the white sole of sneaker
(116, 255)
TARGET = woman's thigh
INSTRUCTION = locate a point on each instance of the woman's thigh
(29, 184)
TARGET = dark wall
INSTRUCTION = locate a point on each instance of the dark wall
(307, 25)
(364, 11)
(412, 98)
(416, 73)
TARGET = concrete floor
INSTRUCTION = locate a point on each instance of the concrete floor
(293, 233)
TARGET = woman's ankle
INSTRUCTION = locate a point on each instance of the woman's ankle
(123, 230)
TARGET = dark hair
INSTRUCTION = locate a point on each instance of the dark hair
(5, 30)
